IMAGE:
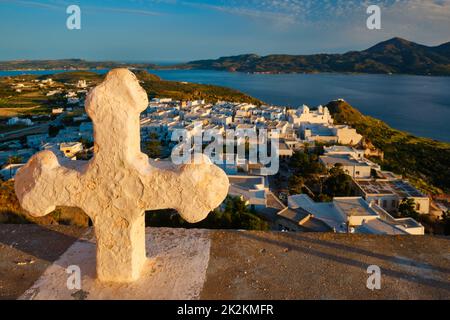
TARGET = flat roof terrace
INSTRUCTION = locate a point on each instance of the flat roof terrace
(354, 206)
(345, 160)
(399, 187)
(319, 130)
(246, 182)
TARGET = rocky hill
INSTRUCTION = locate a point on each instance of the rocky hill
(397, 56)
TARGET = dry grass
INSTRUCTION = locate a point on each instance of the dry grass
(14, 112)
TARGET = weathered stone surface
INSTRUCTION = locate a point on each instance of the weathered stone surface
(120, 182)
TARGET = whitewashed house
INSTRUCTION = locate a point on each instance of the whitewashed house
(356, 168)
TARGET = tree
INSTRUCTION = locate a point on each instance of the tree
(86, 143)
(306, 165)
(54, 130)
(235, 215)
(338, 184)
(446, 221)
(407, 209)
(336, 170)
(295, 185)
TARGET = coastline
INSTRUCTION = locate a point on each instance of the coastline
(187, 68)
(390, 98)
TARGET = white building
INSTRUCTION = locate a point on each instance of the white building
(344, 150)
(285, 151)
(73, 100)
(221, 119)
(53, 92)
(17, 121)
(329, 133)
(67, 134)
(251, 188)
(354, 215)
(35, 141)
(346, 135)
(70, 149)
(388, 194)
(195, 103)
(356, 168)
(57, 110)
(304, 114)
(161, 100)
(81, 84)
(47, 81)
(231, 163)
(83, 117)
(317, 132)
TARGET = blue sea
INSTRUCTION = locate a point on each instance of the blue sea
(416, 104)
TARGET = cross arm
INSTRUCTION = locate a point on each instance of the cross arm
(43, 184)
(194, 190)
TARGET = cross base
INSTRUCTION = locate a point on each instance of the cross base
(114, 264)
(175, 269)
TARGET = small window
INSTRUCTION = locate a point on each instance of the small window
(384, 203)
(418, 206)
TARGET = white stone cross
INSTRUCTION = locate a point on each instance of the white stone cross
(119, 183)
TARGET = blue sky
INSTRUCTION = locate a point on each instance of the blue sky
(182, 30)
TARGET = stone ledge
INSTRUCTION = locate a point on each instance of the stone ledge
(247, 265)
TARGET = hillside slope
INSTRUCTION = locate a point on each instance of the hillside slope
(154, 86)
(424, 161)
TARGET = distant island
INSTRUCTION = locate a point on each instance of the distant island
(68, 64)
(396, 56)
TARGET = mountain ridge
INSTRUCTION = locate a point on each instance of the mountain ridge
(395, 55)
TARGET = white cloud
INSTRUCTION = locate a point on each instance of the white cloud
(280, 18)
(34, 4)
(124, 10)
(60, 5)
